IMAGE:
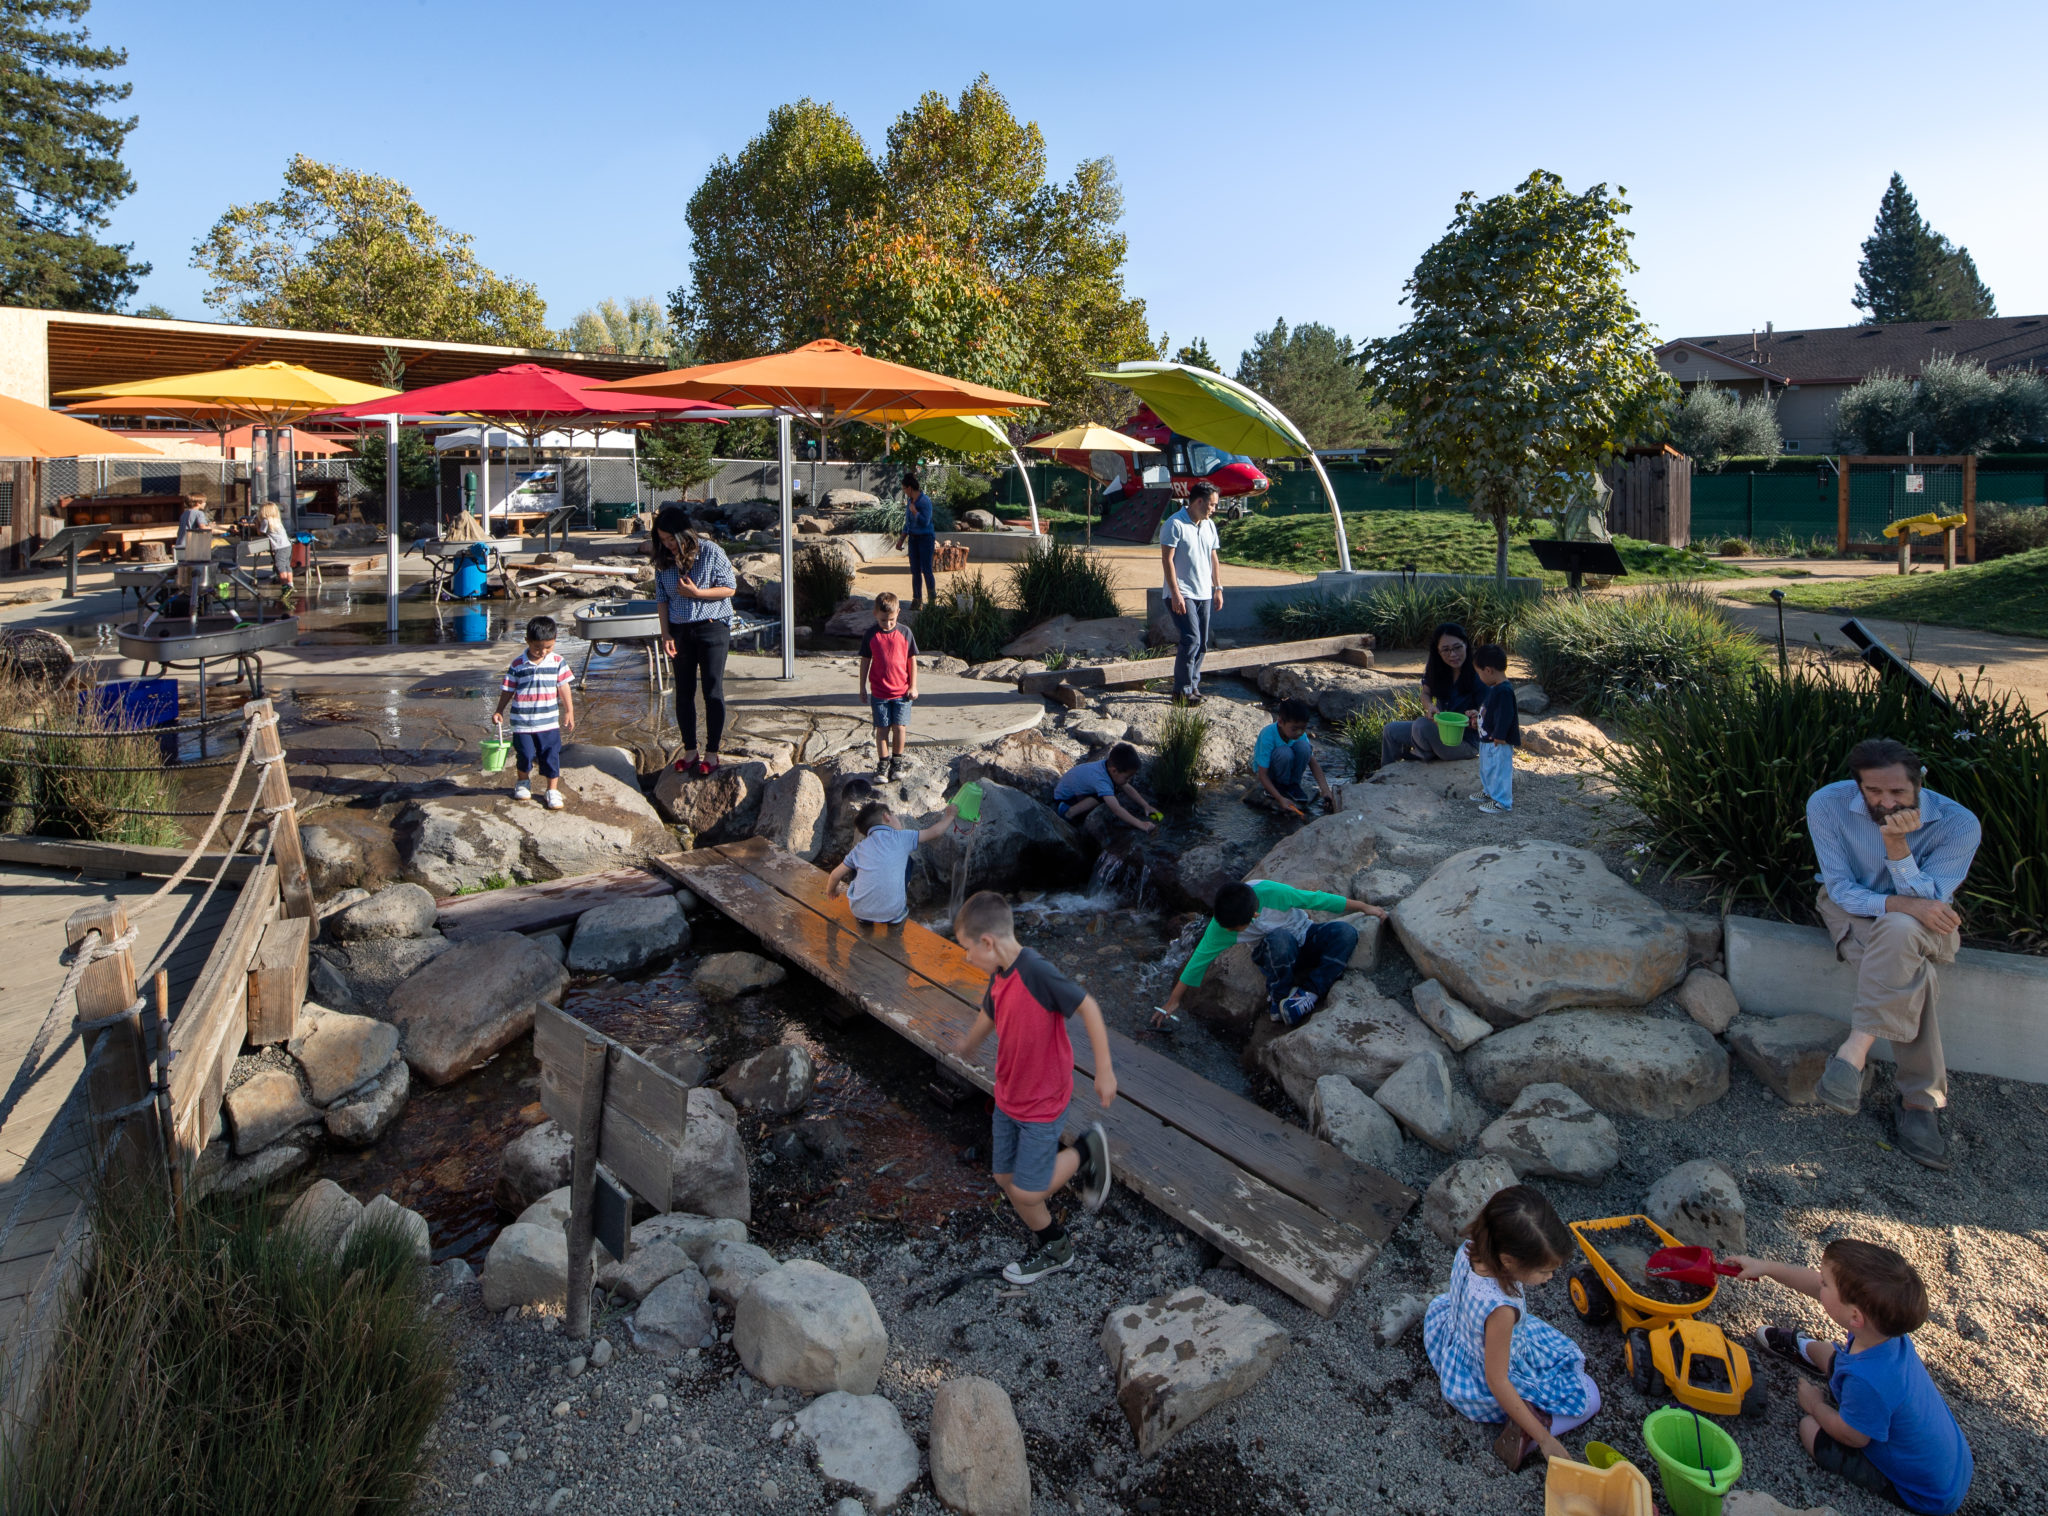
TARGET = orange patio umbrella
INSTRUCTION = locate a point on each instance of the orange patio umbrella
(32, 431)
(823, 384)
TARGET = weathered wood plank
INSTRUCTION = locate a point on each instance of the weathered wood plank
(645, 1108)
(213, 1020)
(277, 979)
(116, 858)
(1218, 661)
(535, 907)
(1285, 1156)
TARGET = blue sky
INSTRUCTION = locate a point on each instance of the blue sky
(1278, 159)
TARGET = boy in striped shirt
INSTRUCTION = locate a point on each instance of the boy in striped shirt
(537, 691)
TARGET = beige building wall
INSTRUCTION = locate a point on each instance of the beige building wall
(25, 355)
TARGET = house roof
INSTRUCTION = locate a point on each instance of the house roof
(1845, 354)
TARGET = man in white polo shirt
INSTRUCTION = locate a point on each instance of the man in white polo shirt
(1193, 568)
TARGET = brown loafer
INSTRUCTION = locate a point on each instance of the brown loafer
(1513, 1447)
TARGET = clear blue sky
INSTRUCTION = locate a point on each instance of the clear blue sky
(1278, 159)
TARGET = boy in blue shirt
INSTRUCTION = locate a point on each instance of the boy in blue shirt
(1086, 785)
(1500, 731)
(1283, 760)
(1880, 1424)
(876, 873)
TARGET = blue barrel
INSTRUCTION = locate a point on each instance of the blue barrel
(472, 577)
(470, 626)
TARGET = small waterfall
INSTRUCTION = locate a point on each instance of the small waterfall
(1121, 876)
(963, 854)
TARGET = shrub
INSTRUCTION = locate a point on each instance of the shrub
(968, 622)
(73, 779)
(962, 491)
(1608, 651)
(1401, 615)
(1732, 547)
(1177, 767)
(1721, 775)
(223, 1364)
(888, 518)
(1063, 579)
(823, 578)
(1360, 732)
(2003, 530)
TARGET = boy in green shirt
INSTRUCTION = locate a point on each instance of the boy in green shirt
(1300, 958)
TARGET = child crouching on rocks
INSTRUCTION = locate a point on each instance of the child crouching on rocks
(1027, 1006)
(1495, 1360)
(1300, 958)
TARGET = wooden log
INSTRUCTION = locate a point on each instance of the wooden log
(594, 1056)
(277, 980)
(1218, 661)
(535, 907)
(645, 1108)
(275, 790)
(213, 1022)
(116, 1056)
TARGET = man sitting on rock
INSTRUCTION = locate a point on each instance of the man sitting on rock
(1300, 958)
(1892, 856)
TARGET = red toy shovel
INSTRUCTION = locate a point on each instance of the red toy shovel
(1687, 1265)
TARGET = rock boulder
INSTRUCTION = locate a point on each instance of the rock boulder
(1701, 1205)
(859, 1440)
(979, 1465)
(1330, 853)
(535, 1163)
(727, 976)
(1706, 997)
(721, 807)
(624, 936)
(263, 1108)
(711, 1166)
(397, 910)
(1623, 1063)
(340, 1053)
(528, 1265)
(793, 813)
(472, 1001)
(359, 1119)
(1550, 1133)
(1449, 1017)
(1177, 1357)
(1029, 762)
(675, 1316)
(1424, 1097)
(1018, 843)
(322, 1214)
(1460, 1192)
(1353, 1122)
(730, 1267)
(773, 1082)
(1790, 1053)
(803, 1327)
(1358, 1033)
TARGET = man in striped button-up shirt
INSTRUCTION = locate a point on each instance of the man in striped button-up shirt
(1892, 856)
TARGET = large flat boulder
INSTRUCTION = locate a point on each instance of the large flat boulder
(1621, 1062)
(1018, 843)
(1336, 690)
(624, 936)
(1177, 1357)
(1029, 762)
(472, 1001)
(804, 1327)
(1359, 1033)
(263, 1107)
(1550, 1133)
(339, 1053)
(360, 976)
(859, 1440)
(454, 843)
(1107, 637)
(1330, 853)
(1234, 724)
(1526, 927)
(1789, 1053)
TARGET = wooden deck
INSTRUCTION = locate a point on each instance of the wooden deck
(1290, 1208)
(36, 1259)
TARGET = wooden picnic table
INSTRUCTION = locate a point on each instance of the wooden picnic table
(118, 540)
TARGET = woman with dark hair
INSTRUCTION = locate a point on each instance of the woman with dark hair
(1449, 683)
(693, 590)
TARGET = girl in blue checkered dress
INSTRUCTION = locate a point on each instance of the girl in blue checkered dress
(1497, 1362)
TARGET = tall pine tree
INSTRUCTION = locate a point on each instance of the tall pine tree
(60, 162)
(1910, 272)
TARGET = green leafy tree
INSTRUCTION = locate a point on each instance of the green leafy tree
(678, 457)
(343, 251)
(1196, 354)
(60, 162)
(416, 463)
(1956, 407)
(1524, 362)
(640, 327)
(1713, 425)
(906, 298)
(1311, 374)
(1910, 272)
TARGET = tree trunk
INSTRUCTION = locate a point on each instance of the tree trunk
(1500, 546)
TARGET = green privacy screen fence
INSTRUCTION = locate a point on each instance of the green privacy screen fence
(1294, 492)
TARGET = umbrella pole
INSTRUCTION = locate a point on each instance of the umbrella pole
(1030, 497)
(391, 527)
(1336, 514)
(785, 467)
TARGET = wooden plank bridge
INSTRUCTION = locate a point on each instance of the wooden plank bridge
(1292, 1209)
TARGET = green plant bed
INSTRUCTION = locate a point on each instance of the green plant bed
(1360, 732)
(968, 621)
(1720, 775)
(2010, 595)
(1435, 542)
(1400, 615)
(1608, 651)
(223, 1363)
(1177, 767)
(1063, 579)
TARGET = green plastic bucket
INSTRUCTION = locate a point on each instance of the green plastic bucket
(969, 801)
(495, 751)
(1450, 725)
(1698, 1462)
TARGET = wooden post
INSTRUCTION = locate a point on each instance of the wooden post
(172, 1165)
(275, 791)
(1948, 548)
(1969, 512)
(1842, 507)
(277, 980)
(117, 1061)
(583, 1181)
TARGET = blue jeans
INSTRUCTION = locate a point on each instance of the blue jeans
(542, 750)
(1497, 773)
(890, 712)
(1193, 626)
(1289, 771)
(1025, 1150)
(922, 585)
(1311, 963)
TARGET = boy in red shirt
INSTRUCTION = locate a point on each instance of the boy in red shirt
(888, 677)
(1027, 1005)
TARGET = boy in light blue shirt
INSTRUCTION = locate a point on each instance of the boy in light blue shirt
(1284, 759)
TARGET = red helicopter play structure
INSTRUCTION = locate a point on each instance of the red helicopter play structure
(1186, 460)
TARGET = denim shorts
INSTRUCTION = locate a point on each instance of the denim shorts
(542, 750)
(1025, 1150)
(890, 712)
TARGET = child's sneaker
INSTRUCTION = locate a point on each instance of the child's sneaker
(1296, 1008)
(1491, 809)
(554, 800)
(1049, 1259)
(522, 791)
(1784, 1343)
(1093, 1174)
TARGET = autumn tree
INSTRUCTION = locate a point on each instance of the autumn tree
(344, 251)
(1910, 272)
(1524, 363)
(60, 162)
(1311, 375)
(640, 328)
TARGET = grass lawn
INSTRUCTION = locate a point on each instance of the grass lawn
(1436, 542)
(2009, 595)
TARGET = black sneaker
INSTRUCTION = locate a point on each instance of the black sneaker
(1049, 1259)
(1093, 1175)
(1784, 1343)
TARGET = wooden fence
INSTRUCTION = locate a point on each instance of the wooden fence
(1652, 499)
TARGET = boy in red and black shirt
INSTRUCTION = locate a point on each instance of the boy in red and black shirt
(1027, 1006)
(888, 677)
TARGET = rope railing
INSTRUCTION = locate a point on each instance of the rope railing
(115, 733)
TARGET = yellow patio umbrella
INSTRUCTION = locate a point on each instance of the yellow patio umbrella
(970, 434)
(1089, 437)
(31, 431)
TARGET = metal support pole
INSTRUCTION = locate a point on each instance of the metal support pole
(787, 467)
(391, 527)
(1030, 497)
(1336, 514)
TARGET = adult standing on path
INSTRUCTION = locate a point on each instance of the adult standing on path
(920, 536)
(693, 590)
(1892, 855)
(1449, 683)
(1190, 558)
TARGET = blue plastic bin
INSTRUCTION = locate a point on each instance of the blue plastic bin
(133, 703)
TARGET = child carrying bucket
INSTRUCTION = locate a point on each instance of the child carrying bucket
(536, 692)
(1496, 1361)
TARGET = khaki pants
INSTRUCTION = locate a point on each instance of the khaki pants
(1894, 958)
